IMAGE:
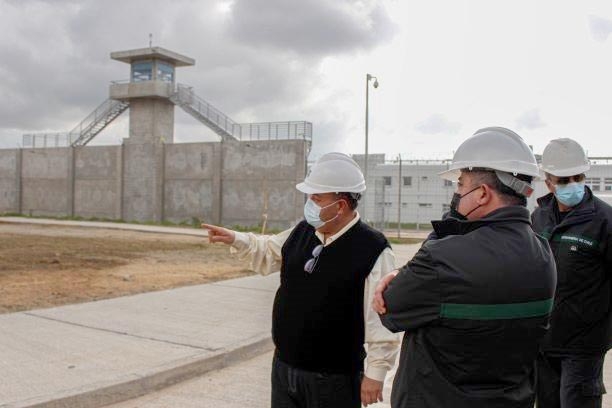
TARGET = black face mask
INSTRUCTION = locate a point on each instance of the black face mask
(454, 205)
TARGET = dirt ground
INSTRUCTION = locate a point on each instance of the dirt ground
(44, 266)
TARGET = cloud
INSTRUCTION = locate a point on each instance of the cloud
(600, 28)
(437, 124)
(314, 27)
(256, 60)
(530, 119)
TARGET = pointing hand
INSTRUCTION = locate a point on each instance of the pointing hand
(219, 234)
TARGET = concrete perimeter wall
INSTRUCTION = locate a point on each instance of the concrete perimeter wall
(259, 179)
(98, 182)
(228, 183)
(10, 182)
(46, 181)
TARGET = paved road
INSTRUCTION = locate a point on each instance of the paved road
(245, 385)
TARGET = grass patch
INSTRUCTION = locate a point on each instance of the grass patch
(404, 241)
(409, 226)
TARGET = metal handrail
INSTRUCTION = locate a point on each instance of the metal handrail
(91, 119)
(102, 116)
(186, 98)
(52, 139)
(276, 130)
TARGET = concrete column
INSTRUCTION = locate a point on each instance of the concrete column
(217, 183)
(160, 182)
(301, 170)
(151, 121)
(71, 181)
(18, 182)
(119, 180)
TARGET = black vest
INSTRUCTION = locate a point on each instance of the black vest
(318, 322)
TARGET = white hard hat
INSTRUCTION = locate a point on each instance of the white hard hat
(333, 173)
(337, 156)
(564, 158)
(494, 148)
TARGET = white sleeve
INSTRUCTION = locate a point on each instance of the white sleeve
(262, 251)
(383, 345)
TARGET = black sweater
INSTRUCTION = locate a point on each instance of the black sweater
(318, 322)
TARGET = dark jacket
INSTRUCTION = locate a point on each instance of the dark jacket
(582, 246)
(474, 304)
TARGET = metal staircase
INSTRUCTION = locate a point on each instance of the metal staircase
(96, 121)
(185, 97)
(203, 111)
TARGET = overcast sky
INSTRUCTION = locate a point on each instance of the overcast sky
(446, 68)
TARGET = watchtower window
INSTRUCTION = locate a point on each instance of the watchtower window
(142, 71)
(165, 72)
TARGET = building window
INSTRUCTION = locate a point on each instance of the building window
(142, 71)
(594, 183)
(165, 72)
(387, 180)
(608, 184)
(448, 183)
(425, 205)
(445, 208)
(407, 181)
(423, 178)
(404, 204)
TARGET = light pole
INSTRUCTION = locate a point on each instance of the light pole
(399, 198)
(365, 160)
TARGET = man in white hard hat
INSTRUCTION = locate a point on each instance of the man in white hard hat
(474, 302)
(578, 226)
(330, 264)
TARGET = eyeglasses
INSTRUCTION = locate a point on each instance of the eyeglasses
(310, 264)
(566, 180)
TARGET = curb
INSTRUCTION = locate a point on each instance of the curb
(107, 225)
(132, 388)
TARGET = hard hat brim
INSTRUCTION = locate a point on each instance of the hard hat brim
(309, 188)
(306, 189)
(450, 175)
(454, 171)
(573, 171)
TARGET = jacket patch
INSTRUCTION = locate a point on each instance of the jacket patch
(577, 239)
(496, 311)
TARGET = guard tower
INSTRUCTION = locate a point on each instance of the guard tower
(148, 92)
(151, 94)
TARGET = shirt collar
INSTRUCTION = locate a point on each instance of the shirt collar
(338, 234)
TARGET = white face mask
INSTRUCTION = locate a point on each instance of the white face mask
(312, 213)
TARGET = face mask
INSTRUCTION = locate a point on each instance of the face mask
(570, 194)
(312, 213)
(454, 205)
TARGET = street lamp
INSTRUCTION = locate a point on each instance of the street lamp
(365, 160)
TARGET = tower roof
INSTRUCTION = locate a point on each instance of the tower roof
(163, 54)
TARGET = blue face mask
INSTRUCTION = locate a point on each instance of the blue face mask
(570, 194)
(312, 213)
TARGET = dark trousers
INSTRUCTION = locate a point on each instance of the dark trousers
(295, 388)
(570, 381)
